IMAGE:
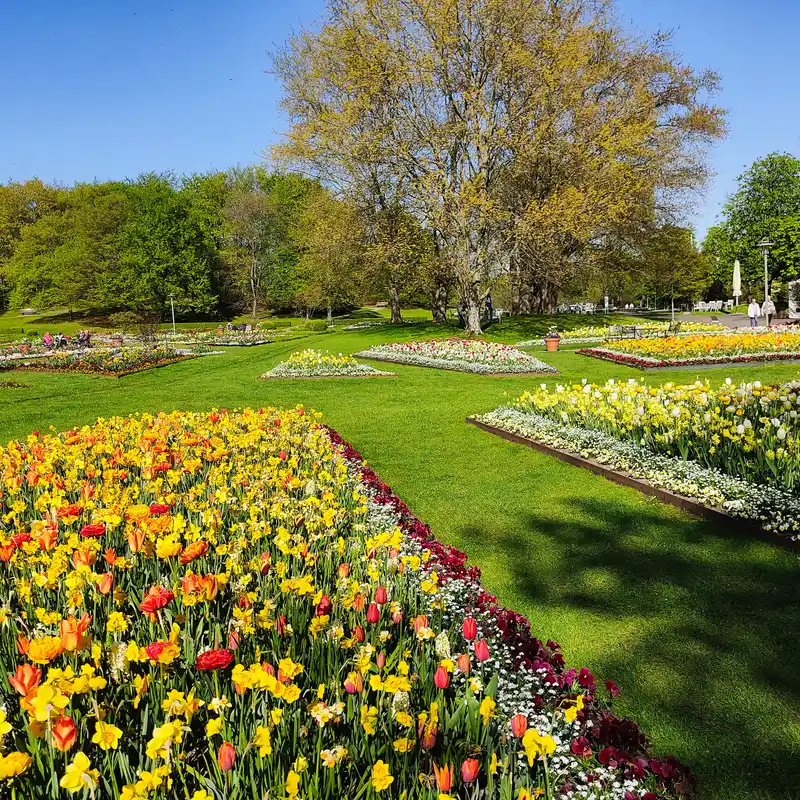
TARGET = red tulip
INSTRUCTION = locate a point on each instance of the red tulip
(324, 606)
(93, 531)
(380, 660)
(353, 683)
(519, 724)
(469, 629)
(373, 613)
(156, 598)
(158, 508)
(481, 650)
(441, 678)
(358, 633)
(280, 625)
(214, 659)
(226, 756)
(470, 769)
(265, 563)
(380, 595)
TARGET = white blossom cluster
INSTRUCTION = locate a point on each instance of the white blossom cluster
(771, 508)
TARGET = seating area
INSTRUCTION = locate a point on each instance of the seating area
(713, 305)
(642, 332)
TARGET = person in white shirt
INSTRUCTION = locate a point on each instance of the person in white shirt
(754, 312)
(768, 309)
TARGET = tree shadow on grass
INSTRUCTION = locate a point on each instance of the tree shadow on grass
(710, 660)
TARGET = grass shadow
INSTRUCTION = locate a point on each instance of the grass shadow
(712, 659)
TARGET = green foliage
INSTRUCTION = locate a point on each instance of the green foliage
(766, 204)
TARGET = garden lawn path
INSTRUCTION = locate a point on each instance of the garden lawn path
(698, 628)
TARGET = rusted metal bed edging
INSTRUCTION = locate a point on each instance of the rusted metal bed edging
(729, 523)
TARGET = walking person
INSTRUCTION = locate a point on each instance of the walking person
(754, 312)
(768, 309)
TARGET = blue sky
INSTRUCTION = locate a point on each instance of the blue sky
(101, 90)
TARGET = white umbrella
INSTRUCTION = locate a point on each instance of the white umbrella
(737, 280)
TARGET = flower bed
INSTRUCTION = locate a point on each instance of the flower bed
(232, 338)
(318, 364)
(233, 605)
(102, 361)
(599, 333)
(677, 351)
(463, 355)
(733, 447)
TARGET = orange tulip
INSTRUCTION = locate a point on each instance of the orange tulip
(25, 679)
(73, 633)
(105, 583)
(47, 538)
(444, 777)
(44, 649)
(193, 551)
(83, 558)
(136, 540)
(65, 733)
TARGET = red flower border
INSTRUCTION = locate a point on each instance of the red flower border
(619, 742)
(649, 363)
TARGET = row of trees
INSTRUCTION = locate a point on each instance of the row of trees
(766, 204)
(217, 243)
(526, 140)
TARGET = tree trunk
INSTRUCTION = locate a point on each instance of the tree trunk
(394, 296)
(472, 309)
(438, 302)
(330, 313)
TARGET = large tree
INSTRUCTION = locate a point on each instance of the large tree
(765, 204)
(333, 253)
(460, 98)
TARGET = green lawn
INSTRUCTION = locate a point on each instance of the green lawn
(699, 627)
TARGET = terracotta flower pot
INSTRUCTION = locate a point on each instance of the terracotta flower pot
(551, 345)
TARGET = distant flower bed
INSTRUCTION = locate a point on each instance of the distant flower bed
(100, 361)
(13, 385)
(733, 447)
(699, 349)
(319, 364)
(464, 355)
(599, 333)
(231, 338)
(236, 605)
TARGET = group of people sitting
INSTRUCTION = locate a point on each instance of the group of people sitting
(60, 341)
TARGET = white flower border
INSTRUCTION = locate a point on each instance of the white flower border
(773, 509)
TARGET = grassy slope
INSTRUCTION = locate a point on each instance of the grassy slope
(699, 628)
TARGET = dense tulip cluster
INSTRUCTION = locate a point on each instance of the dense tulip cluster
(464, 355)
(700, 349)
(232, 605)
(312, 363)
(749, 431)
(99, 361)
(599, 333)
